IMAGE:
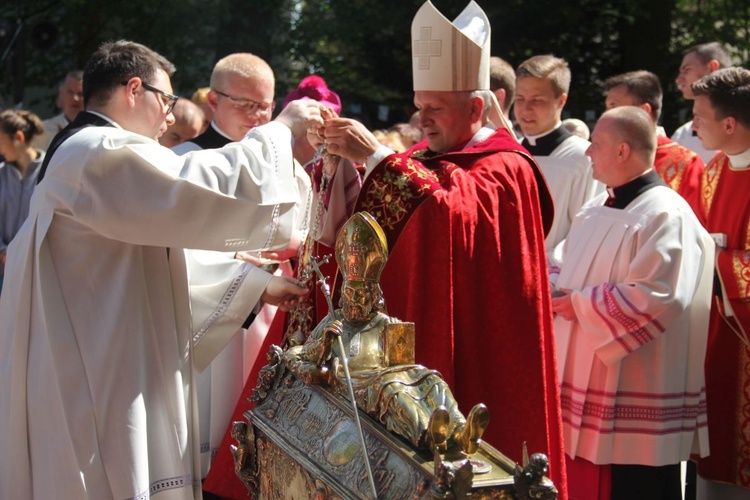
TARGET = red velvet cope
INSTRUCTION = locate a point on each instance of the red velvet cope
(588, 481)
(221, 479)
(469, 269)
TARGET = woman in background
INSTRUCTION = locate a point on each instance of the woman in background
(18, 173)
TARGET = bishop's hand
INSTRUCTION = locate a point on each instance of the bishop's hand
(350, 139)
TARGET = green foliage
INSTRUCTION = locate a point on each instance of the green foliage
(363, 48)
(180, 32)
(700, 21)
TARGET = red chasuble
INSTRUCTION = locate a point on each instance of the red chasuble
(724, 209)
(679, 168)
(467, 265)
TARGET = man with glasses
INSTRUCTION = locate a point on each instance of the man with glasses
(168, 100)
(98, 346)
(241, 97)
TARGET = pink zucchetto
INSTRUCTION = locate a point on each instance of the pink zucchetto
(315, 88)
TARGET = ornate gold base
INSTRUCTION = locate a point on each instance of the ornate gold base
(300, 441)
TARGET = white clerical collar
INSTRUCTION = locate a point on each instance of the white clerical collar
(105, 117)
(533, 138)
(219, 131)
(482, 135)
(740, 161)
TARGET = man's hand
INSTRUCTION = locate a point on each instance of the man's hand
(335, 329)
(283, 292)
(289, 252)
(350, 139)
(257, 258)
(300, 115)
(563, 305)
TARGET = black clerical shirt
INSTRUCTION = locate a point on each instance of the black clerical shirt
(544, 146)
(83, 120)
(621, 196)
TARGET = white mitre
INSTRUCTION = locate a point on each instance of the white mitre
(448, 57)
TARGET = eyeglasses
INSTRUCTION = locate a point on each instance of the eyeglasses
(248, 105)
(168, 100)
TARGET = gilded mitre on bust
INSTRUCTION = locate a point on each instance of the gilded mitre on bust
(361, 249)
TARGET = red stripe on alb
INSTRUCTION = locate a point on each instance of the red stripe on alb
(624, 394)
(635, 430)
(650, 319)
(633, 412)
(615, 310)
(605, 318)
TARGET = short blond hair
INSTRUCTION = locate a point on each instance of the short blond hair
(547, 67)
(200, 96)
(503, 77)
(244, 64)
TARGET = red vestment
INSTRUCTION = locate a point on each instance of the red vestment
(723, 209)
(680, 168)
(467, 265)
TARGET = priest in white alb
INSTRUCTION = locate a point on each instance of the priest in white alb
(98, 348)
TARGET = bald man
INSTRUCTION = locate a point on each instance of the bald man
(631, 298)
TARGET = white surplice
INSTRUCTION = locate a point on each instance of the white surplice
(96, 356)
(219, 384)
(631, 364)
